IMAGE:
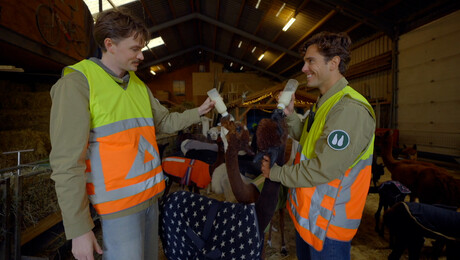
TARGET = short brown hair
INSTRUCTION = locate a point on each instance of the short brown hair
(117, 25)
(331, 45)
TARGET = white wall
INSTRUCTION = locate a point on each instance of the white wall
(428, 112)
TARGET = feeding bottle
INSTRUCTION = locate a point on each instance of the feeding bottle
(220, 105)
(289, 89)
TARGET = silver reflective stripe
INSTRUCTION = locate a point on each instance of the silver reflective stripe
(139, 167)
(340, 218)
(96, 176)
(173, 159)
(101, 195)
(119, 126)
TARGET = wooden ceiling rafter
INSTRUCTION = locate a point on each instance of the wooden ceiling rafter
(251, 44)
(236, 26)
(215, 28)
(360, 14)
(379, 11)
(149, 14)
(303, 38)
(173, 12)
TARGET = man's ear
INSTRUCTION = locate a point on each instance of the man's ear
(109, 44)
(334, 63)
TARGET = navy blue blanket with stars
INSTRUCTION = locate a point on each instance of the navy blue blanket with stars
(197, 227)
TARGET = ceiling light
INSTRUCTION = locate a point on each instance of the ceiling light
(93, 6)
(154, 43)
(231, 64)
(169, 63)
(281, 9)
(286, 27)
(241, 68)
(261, 57)
(158, 67)
(253, 49)
(239, 44)
(257, 5)
(153, 72)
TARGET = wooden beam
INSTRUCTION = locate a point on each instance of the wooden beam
(40, 227)
(256, 95)
(244, 113)
(270, 106)
(376, 64)
(308, 33)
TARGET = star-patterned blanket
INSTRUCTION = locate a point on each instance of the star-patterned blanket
(197, 227)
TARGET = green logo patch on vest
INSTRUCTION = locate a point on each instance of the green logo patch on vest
(338, 140)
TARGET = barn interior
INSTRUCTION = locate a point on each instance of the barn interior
(403, 61)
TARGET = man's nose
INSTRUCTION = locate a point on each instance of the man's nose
(140, 56)
(305, 68)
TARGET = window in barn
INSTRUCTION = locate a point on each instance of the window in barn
(179, 87)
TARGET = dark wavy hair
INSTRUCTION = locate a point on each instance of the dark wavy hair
(331, 45)
(118, 25)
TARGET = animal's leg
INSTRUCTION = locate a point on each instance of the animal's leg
(167, 188)
(269, 239)
(283, 243)
(399, 245)
(377, 215)
(196, 189)
(382, 225)
(452, 250)
(415, 247)
(438, 246)
(266, 204)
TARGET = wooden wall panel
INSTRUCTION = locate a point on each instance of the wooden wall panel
(428, 89)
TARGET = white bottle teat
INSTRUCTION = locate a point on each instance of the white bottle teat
(289, 89)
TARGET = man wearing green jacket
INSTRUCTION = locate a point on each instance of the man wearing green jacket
(104, 150)
(331, 176)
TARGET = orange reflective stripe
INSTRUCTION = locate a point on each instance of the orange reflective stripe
(88, 166)
(334, 183)
(328, 202)
(90, 188)
(297, 158)
(118, 152)
(121, 204)
(358, 194)
(303, 208)
(322, 222)
(306, 235)
(340, 233)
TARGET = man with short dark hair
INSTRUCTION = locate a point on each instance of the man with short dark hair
(330, 179)
(104, 150)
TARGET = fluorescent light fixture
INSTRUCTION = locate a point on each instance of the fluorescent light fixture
(281, 9)
(158, 67)
(253, 49)
(153, 72)
(241, 68)
(261, 57)
(154, 43)
(239, 44)
(169, 63)
(257, 5)
(93, 5)
(286, 27)
(231, 64)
